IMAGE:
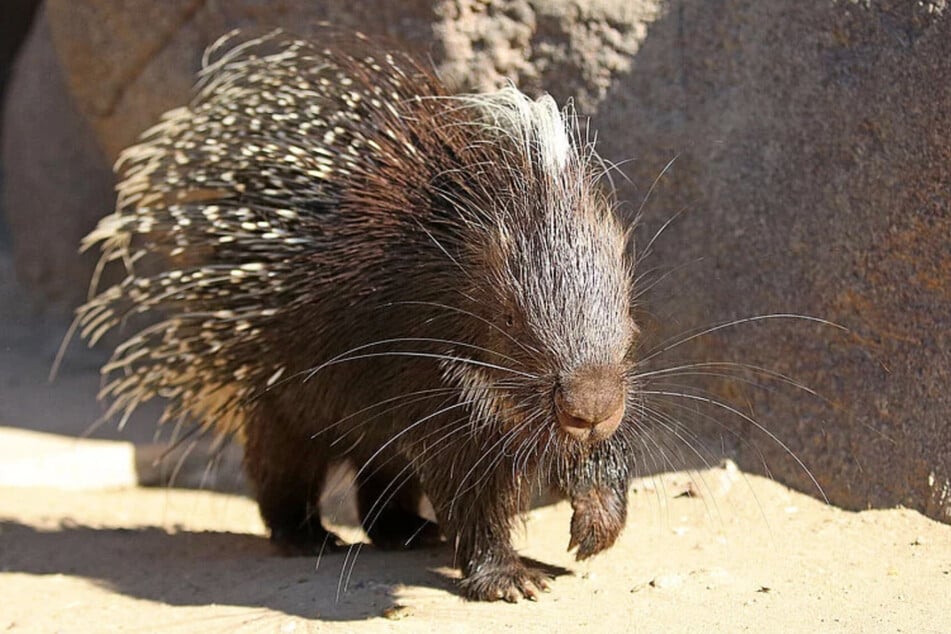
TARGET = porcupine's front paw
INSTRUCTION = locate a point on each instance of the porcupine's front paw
(599, 517)
(508, 581)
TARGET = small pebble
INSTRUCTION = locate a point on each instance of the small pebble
(666, 581)
(397, 612)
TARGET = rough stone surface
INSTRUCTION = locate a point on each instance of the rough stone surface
(57, 182)
(814, 140)
(811, 143)
(128, 62)
(17, 17)
(18, 14)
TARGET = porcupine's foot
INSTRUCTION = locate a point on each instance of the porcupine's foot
(599, 516)
(388, 512)
(398, 529)
(305, 539)
(287, 473)
(306, 542)
(509, 581)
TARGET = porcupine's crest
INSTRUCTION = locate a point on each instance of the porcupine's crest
(243, 196)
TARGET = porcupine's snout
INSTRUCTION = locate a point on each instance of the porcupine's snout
(590, 402)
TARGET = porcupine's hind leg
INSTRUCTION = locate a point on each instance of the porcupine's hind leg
(288, 473)
(388, 497)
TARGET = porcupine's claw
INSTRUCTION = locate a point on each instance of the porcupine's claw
(598, 519)
(507, 582)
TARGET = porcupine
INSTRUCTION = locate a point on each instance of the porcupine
(356, 265)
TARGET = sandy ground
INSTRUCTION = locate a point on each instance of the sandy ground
(745, 554)
(84, 548)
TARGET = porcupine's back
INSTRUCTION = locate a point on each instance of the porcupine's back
(302, 188)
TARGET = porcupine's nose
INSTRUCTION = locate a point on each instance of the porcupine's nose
(590, 402)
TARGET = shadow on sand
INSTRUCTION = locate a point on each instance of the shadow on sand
(190, 568)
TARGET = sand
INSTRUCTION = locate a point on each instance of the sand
(709, 551)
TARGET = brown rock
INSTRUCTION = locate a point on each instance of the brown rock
(17, 16)
(814, 141)
(128, 63)
(57, 182)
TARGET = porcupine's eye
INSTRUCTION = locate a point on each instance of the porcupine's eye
(509, 320)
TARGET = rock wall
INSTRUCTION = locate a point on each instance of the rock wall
(814, 140)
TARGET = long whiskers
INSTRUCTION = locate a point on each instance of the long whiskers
(686, 438)
(676, 424)
(703, 368)
(467, 313)
(750, 420)
(680, 340)
(423, 355)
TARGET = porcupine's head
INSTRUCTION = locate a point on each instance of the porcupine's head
(550, 280)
